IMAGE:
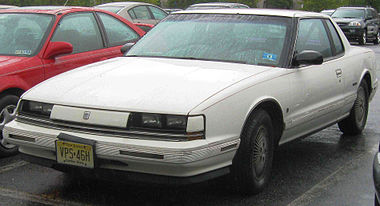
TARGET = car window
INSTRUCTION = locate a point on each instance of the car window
(23, 34)
(81, 30)
(157, 13)
(142, 12)
(312, 36)
(231, 38)
(349, 13)
(336, 39)
(117, 32)
(132, 14)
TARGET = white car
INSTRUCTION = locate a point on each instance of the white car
(204, 93)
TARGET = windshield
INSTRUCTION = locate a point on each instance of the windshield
(22, 34)
(245, 39)
(113, 9)
(349, 13)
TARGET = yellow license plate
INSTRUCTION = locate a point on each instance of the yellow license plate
(76, 154)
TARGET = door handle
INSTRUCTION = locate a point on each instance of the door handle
(338, 72)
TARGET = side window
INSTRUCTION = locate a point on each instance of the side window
(142, 12)
(117, 32)
(81, 30)
(157, 13)
(312, 35)
(336, 39)
(132, 14)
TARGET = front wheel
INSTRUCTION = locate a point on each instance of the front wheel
(363, 39)
(252, 164)
(356, 121)
(377, 39)
(7, 113)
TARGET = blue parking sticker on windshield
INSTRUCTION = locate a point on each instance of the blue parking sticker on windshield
(268, 56)
(23, 52)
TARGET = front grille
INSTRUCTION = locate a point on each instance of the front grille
(102, 130)
(342, 24)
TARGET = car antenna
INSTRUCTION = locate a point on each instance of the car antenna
(66, 2)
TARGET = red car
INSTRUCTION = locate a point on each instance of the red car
(37, 43)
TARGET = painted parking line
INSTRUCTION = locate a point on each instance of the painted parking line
(317, 190)
(12, 166)
(41, 199)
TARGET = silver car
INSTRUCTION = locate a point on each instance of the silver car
(136, 12)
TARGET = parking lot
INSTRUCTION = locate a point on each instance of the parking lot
(326, 168)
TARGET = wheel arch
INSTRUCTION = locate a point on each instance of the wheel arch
(366, 76)
(273, 108)
(12, 91)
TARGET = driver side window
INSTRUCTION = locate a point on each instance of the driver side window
(312, 35)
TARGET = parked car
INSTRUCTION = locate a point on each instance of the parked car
(183, 107)
(359, 24)
(136, 12)
(376, 176)
(328, 11)
(40, 42)
(216, 5)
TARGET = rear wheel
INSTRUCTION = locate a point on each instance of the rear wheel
(356, 121)
(253, 161)
(7, 113)
(376, 201)
(363, 39)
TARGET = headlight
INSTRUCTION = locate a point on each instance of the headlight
(35, 108)
(354, 23)
(191, 126)
(157, 121)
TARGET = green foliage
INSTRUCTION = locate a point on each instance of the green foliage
(183, 4)
(282, 4)
(319, 5)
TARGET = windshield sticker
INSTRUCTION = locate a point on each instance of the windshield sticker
(271, 57)
(23, 52)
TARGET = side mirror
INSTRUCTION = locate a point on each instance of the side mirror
(57, 48)
(126, 47)
(308, 57)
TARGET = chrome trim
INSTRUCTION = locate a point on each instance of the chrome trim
(102, 130)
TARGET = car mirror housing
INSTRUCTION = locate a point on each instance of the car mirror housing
(126, 47)
(308, 57)
(58, 48)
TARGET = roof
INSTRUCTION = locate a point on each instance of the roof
(251, 11)
(126, 3)
(353, 7)
(46, 9)
(217, 4)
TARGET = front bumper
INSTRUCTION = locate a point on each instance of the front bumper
(352, 33)
(376, 173)
(173, 159)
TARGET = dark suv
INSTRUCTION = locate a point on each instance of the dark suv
(359, 23)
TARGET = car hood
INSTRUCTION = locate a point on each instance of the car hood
(346, 20)
(8, 64)
(153, 85)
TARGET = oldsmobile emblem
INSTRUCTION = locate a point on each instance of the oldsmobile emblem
(86, 115)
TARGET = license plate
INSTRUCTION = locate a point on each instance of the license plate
(75, 154)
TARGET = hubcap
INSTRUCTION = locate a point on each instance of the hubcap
(360, 107)
(260, 151)
(6, 115)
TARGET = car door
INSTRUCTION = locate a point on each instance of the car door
(80, 29)
(317, 90)
(141, 14)
(371, 21)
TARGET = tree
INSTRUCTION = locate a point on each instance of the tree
(281, 4)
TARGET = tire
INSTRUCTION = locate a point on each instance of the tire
(376, 202)
(356, 121)
(252, 164)
(363, 39)
(7, 108)
(377, 39)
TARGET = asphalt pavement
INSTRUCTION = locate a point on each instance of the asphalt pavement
(324, 169)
